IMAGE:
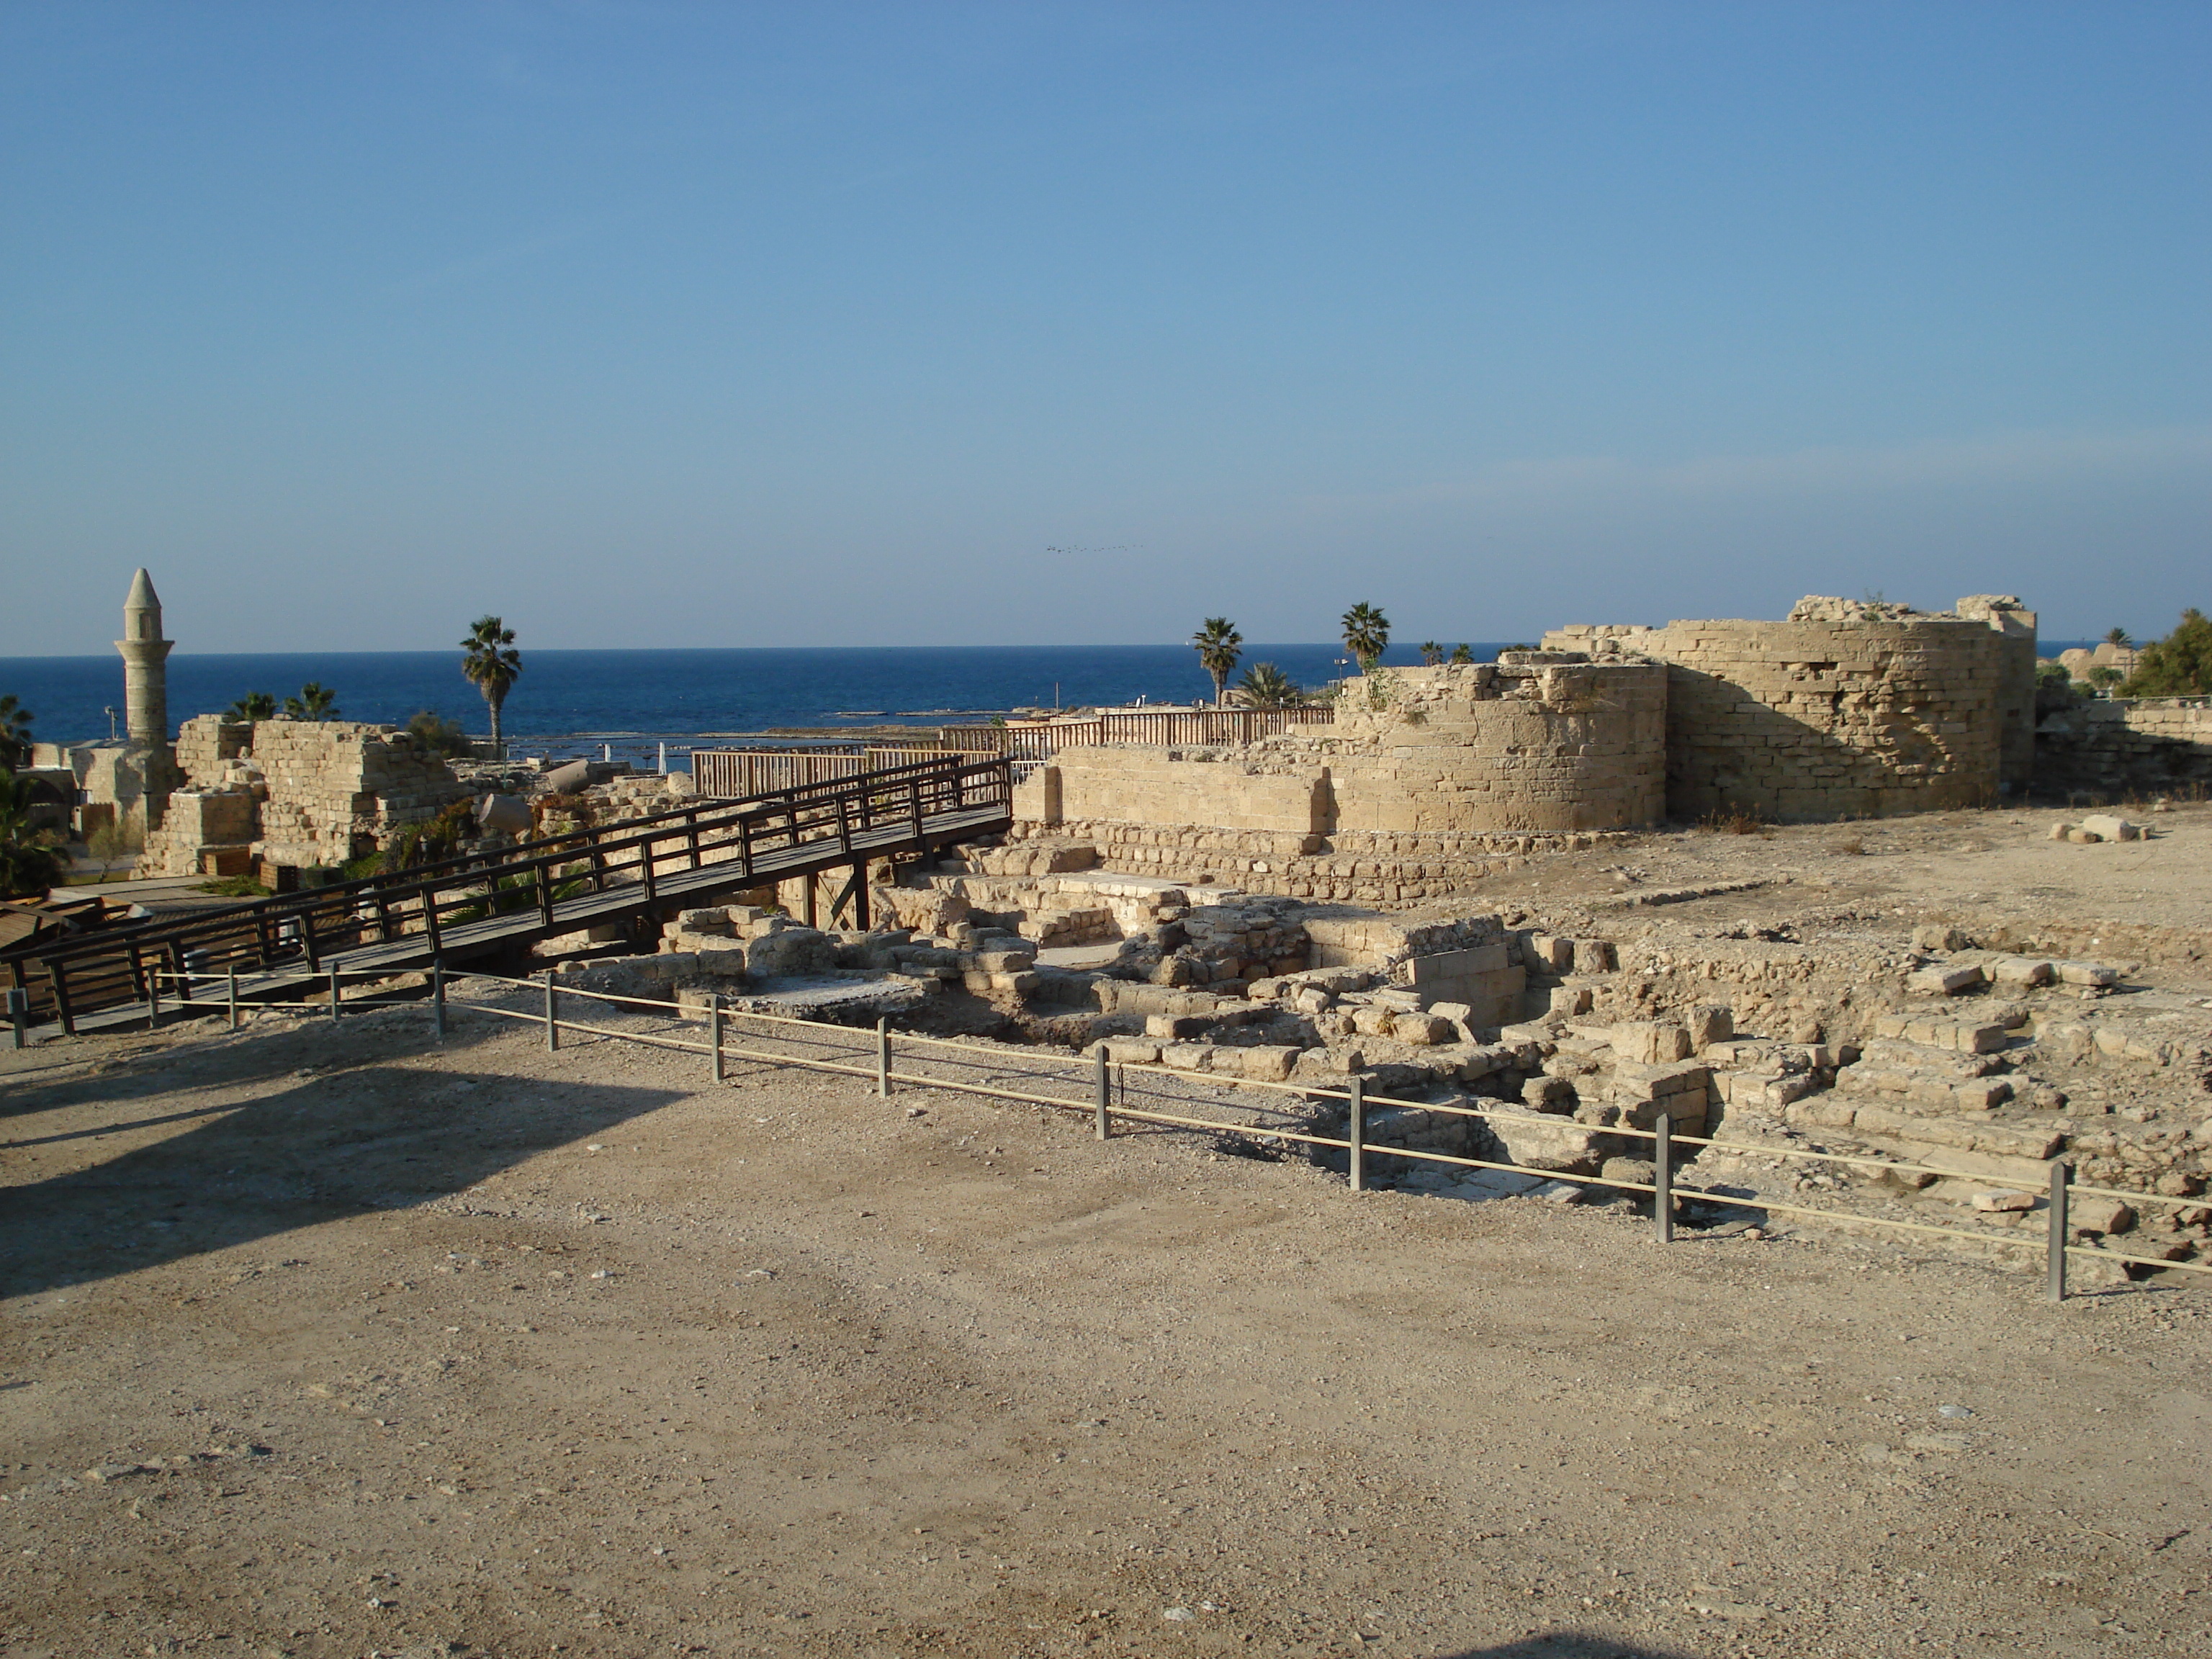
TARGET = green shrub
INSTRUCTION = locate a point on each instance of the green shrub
(235, 887)
(2178, 665)
(436, 735)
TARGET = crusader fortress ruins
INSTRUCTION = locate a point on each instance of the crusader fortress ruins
(1776, 880)
(1428, 777)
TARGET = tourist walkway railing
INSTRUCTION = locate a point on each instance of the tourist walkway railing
(477, 903)
(1104, 1091)
(735, 772)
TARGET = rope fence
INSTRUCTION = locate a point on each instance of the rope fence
(1104, 1091)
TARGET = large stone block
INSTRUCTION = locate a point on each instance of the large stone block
(1482, 979)
(1558, 1145)
(792, 951)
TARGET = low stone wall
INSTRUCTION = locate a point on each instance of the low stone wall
(1366, 869)
(1231, 789)
(2133, 745)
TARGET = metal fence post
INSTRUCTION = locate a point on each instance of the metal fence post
(1662, 1178)
(153, 998)
(552, 1014)
(1102, 1098)
(19, 1016)
(1355, 1132)
(2062, 1177)
(884, 1058)
(230, 995)
(715, 1032)
(334, 995)
(438, 998)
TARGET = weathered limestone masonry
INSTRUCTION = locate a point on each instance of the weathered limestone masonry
(1429, 779)
(303, 793)
(1848, 708)
(2146, 745)
(1548, 743)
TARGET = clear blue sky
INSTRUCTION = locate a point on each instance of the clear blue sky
(952, 323)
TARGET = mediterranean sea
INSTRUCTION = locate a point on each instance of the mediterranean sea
(573, 702)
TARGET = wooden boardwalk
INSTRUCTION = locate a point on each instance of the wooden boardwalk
(498, 903)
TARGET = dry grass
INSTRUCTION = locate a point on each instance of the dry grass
(1734, 821)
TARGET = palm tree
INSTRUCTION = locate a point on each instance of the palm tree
(1462, 654)
(491, 664)
(2119, 636)
(1218, 641)
(1431, 653)
(1367, 635)
(253, 706)
(313, 703)
(14, 733)
(1265, 686)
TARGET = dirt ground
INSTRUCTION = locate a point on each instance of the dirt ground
(1987, 868)
(333, 1341)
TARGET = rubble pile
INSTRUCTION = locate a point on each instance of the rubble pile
(1840, 1033)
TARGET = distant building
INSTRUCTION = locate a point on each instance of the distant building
(126, 785)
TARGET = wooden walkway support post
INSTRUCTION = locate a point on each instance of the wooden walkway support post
(1355, 1133)
(2062, 1177)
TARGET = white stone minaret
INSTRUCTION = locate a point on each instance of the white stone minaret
(145, 671)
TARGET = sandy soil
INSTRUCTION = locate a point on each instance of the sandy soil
(1988, 868)
(328, 1341)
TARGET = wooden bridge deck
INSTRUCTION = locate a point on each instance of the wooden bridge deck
(470, 908)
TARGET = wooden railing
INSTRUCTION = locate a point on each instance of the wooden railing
(1037, 740)
(734, 773)
(517, 892)
(745, 773)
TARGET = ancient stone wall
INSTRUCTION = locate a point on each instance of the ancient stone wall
(1546, 747)
(1230, 789)
(1848, 708)
(2005, 616)
(2133, 745)
(1548, 744)
(1427, 778)
(301, 793)
(204, 744)
(338, 789)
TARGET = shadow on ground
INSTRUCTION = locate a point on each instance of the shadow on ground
(1568, 1644)
(363, 1138)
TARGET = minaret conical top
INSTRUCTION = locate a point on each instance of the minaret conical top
(145, 655)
